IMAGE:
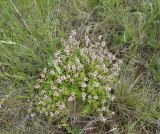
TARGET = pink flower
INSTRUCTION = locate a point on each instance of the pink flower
(36, 86)
(83, 96)
(74, 67)
(85, 79)
(120, 61)
(108, 89)
(77, 60)
(100, 37)
(70, 98)
(44, 70)
(52, 72)
(58, 80)
(53, 87)
(42, 75)
(63, 78)
(68, 67)
(61, 106)
(56, 93)
(84, 85)
(95, 97)
(87, 40)
(96, 84)
(95, 73)
(73, 32)
(103, 44)
(60, 90)
(109, 55)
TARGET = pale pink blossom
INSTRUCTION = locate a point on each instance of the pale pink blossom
(58, 80)
(44, 70)
(42, 76)
(52, 72)
(56, 93)
(36, 86)
(84, 85)
(95, 97)
(70, 98)
(100, 37)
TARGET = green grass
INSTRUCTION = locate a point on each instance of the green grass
(30, 32)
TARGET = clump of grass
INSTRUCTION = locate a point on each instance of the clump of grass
(134, 112)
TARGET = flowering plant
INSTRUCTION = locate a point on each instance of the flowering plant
(78, 78)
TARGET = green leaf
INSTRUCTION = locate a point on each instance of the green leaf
(55, 65)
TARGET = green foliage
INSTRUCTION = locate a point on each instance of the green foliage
(93, 3)
(83, 74)
(73, 130)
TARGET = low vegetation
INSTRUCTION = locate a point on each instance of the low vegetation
(80, 66)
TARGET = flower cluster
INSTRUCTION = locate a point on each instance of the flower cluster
(81, 73)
